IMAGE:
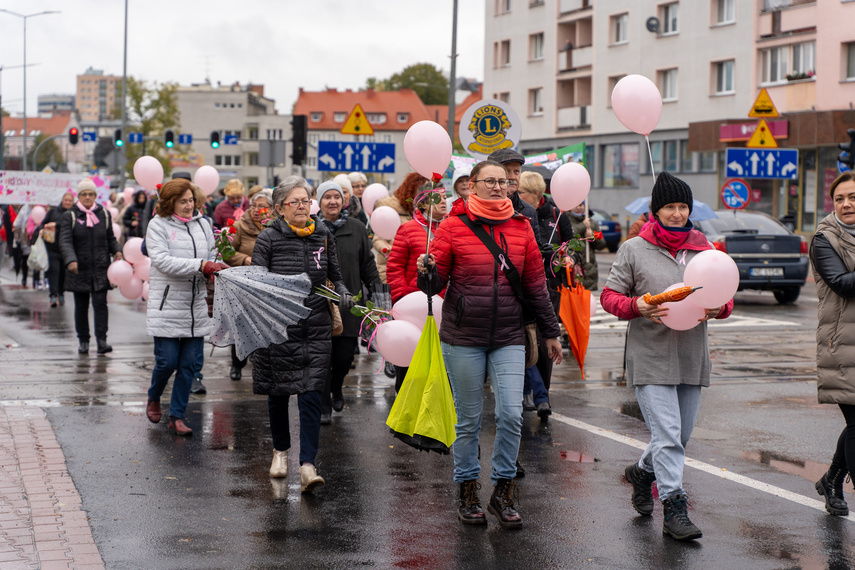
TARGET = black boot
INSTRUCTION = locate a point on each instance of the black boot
(103, 347)
(470, 511)
(831, 487)
(502, 503)
(235, 373)
(642, 496)
(520, 469)
(84, 347)
(677, 524)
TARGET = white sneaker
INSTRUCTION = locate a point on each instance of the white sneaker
(309, 478)
(279, 467)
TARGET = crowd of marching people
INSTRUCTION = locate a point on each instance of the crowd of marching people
(486, 249)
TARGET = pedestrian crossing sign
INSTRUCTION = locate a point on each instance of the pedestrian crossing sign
(762, 137)
(357, 123)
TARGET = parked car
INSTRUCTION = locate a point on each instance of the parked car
(610, 228)
(770, 256)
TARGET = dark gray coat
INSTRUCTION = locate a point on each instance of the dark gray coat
(301, 363)
(92, 249)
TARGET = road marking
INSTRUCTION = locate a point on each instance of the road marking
(610, 322)
(701, 466)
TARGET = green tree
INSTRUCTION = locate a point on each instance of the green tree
(423, 78)
(4, 112)
(151, 110)
(49, 155)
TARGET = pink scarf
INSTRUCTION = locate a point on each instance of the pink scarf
(91, 218)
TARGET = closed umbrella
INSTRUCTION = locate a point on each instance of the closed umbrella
(575, 312)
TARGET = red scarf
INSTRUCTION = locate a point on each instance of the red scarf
(497, 210)
(675, 239)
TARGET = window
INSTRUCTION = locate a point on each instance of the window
(316, 117)
(218, 160)
(670, 156)
(376, 118)
(311, 162)
(774, 64)
(503, 6)
(620, 165)
(252, 133)
(668, 84)
(227, 160)
(403, 117)
(686, 162)
(707, 161)
(504, 96)
(216, 105)
(669, 18)
(339, 117)
(850, 60)
(535, 101)
(535, 46)
(314, 138)
(252, 159)
(387, 138)
(725, 12)
(619, 25)
(724, 77)
(505, 53)
(804, 58)
(237, 160)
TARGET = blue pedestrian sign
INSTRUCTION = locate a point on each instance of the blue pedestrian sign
(185, 139)
(135, 138)
(89, 136)
(735, 194)
(361, 156)
(230, 139)
(762, 163)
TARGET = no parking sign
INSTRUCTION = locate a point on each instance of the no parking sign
(735, 194)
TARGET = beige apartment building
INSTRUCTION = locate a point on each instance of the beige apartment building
(557, 61)
(98, 95)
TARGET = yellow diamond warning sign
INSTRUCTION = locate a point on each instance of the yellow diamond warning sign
(762, 137)
(357, 123)
(763, 107)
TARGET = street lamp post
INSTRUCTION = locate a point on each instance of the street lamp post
(452, 76)
(24, 18)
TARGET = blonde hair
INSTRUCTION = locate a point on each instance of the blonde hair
(234, 187)
(533, 182)
(254, 190)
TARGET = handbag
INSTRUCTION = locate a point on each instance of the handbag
(335, 313)
(513, 276)
(49, 235)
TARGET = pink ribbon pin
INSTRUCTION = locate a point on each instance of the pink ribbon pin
(317, 255)
(504, 264)
(683, 258)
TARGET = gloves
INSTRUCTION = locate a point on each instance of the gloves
(211, 267)
(345, 302)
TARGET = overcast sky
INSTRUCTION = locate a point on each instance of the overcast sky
(282, 44)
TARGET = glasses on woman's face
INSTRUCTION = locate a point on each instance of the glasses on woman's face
(491, 182)
(298, 203)
(260, 206)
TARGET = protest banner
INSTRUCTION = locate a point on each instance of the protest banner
(22, 187)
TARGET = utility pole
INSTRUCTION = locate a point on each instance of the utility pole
(452, 76)
(124, 154)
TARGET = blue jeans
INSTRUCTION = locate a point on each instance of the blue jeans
(669, 412)
(467, 366)
(309, 404)
(534, 384)
(179, 355)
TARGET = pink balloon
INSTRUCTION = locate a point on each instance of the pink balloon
(637, 104)
(37, 214)
(128, 195)
(373, 193)
(397, 341)
(120, 272)
(717, 273)
(144, 294)
(142, 268)
(207, 178)
(132, 250)
(594, 305)
(413, 309)
(148, 172)
(570, 185)
(682, 315)
(114, 212)
(385, 222)
(314, 208)
(132, 288)
(427, 148)
(117, 231)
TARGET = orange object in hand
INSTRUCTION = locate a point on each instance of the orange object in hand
(671, 296)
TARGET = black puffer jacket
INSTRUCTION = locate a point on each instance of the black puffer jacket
(135, 213)
(301, 363)
(548, 216)
(92, 249)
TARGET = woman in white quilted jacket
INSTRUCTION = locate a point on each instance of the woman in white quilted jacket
(180, 243)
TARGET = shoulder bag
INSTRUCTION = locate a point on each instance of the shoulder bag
(335, 313)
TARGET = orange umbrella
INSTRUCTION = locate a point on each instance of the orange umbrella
(575, 313)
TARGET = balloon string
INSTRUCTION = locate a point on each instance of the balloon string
(650, 156)
(555, 227)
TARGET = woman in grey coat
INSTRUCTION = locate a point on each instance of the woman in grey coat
(666, 367)
(296, 243)
(180, 244)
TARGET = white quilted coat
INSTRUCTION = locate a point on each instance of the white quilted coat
(176, 300)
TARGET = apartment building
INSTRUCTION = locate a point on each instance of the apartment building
(55, 102)
(98, 95)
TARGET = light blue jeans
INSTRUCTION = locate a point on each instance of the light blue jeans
(669, 412)
(467, 367)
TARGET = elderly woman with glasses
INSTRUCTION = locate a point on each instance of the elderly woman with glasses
(298, 243)
(482, 330)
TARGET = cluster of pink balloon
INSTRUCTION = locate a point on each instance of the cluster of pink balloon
(131, 274)
(397, 339)
(717, 275)
(148, 172)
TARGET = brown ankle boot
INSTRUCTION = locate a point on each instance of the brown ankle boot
(470, 511)
(502, 503)
(152, 411)
(178, 427)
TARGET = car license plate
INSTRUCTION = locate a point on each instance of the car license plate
(766, 272)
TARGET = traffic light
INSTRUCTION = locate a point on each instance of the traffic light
(118, 140)
(847, 157)
(169, 138)
(73, 135)
(215, 139)
(298, 138)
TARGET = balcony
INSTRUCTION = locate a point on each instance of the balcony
(569, 60)
(572, 117)
(566, 6)
(774, 5)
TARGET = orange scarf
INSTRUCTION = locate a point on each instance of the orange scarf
(498, 210)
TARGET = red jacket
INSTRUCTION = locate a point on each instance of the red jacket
(480, 307)
(408, 245)
(226, 210)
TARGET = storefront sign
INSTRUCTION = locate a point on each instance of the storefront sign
(21, 187)
(743, 131)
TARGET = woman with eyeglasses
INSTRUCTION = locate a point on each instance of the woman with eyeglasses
(482, 330)
(298, 243)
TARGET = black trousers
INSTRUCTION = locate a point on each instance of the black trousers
(844, 455)
(56, 273)
(309, 406)
(81, 314)
(237, 362)
(340, 361)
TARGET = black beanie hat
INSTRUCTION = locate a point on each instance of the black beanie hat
(669, 189)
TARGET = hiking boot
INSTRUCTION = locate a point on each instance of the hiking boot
(198, 387)
(831, 487)
(502, 503)
(642, 496)
(470, 511)
(309, 478)
(279, 467)
(103, 347)
(528, 403)
(677, 524)
(544, 410)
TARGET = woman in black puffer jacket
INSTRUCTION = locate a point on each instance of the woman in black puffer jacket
(295, 243)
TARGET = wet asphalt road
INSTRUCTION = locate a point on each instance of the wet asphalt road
(158, 501)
